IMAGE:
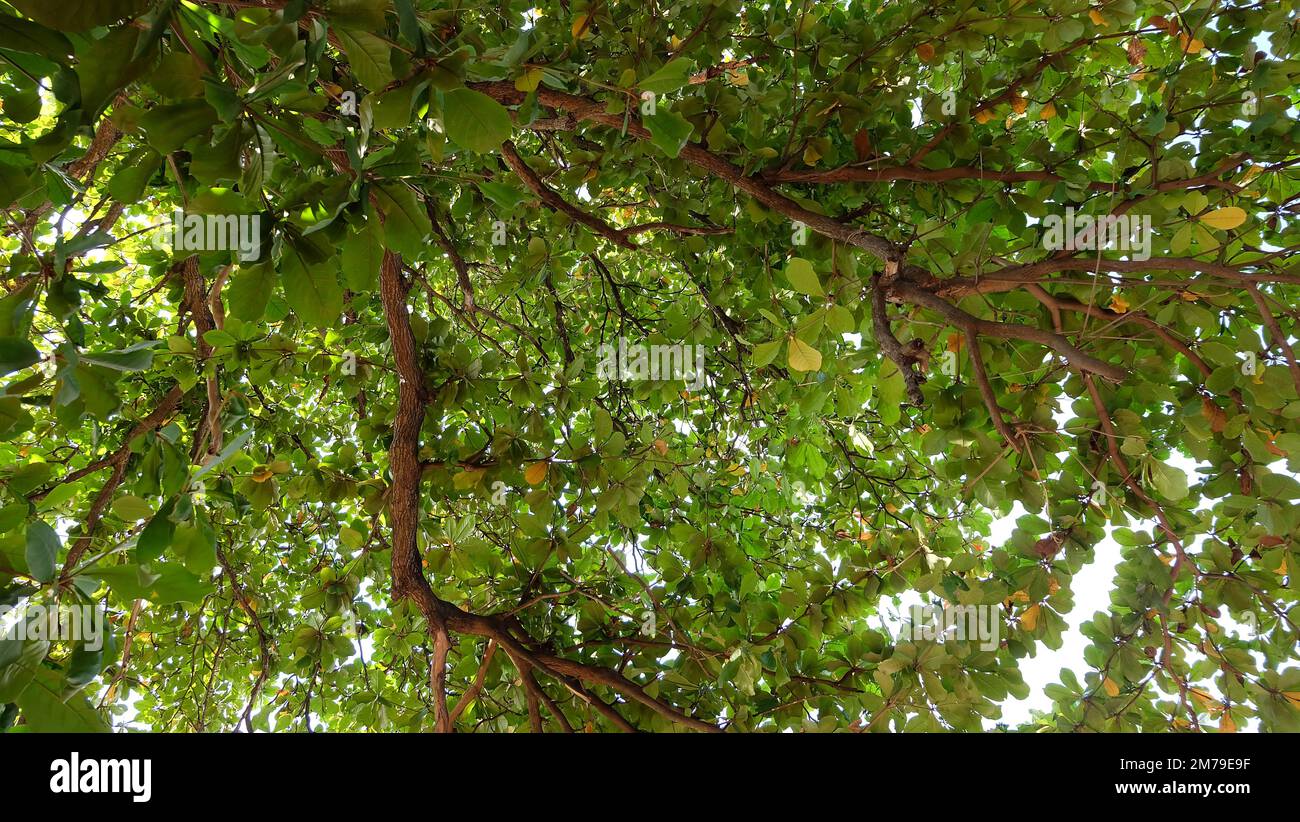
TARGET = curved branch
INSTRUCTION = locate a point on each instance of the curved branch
(1077, 359)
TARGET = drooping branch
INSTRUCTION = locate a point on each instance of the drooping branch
(471, 693)
(986, 390)
(889, 344)
(197, 304)
(558, 203)
(1275, 332)
(263, 640)
(453, 253)
(404, 514)
(154, 420)
(1128, 478)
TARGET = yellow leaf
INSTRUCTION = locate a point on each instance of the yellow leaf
(1224, 218)
(1118, 304)
(536, 472)
(1029, 619)
(582, 26)
(1112, 689)
(956, 342)
(1203, 698)
(926, 52)
(529, 80)
(803, 357)
(1190, 44)
(1019, 104)
(811, 155)
(738, 77)
(1048, 112)
(1293, 697)
(662, 447)
(983, 116)
(1226, 725)
(1215, 415)
(1096, 18)
(261, 473)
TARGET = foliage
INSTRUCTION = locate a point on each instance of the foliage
(364, 473)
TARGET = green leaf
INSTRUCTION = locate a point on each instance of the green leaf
(1170, 482)
(249, 290)
(129, 183)
(79, 15)
(802, 277)
(313, 290)
(175, 584)
(196, 545)
(170, 126)
(33, 38)
(671, 76)
(15, 183)
(474, 120)
(48, 710)
(357, 14)
(604, 424)
(369, 57)
(840, 320)
(138, 357)
(764, 353)
(131, 508)
(363, 254)
(232, 447)
(891, 389)
(42, 551)
(16, 354)
(157, 535)
(405, 222)
(668, 130)
(16, 310)
(19, 662)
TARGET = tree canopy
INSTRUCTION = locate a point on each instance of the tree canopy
(314, 370)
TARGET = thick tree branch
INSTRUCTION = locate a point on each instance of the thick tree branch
(558, 203)
(889, 344)
(1077, 359)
